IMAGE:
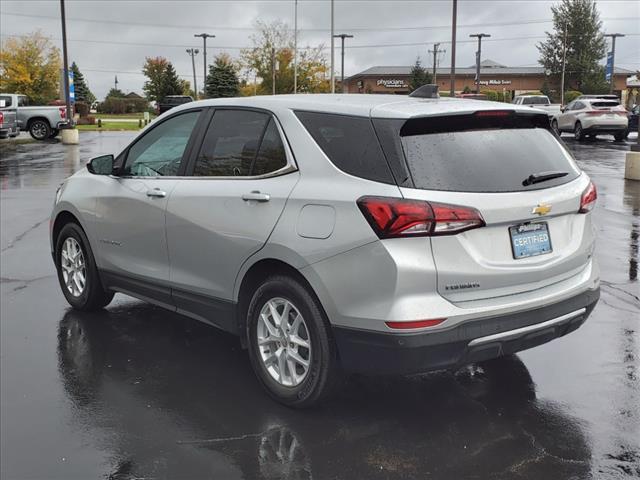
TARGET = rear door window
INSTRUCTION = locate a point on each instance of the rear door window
(350, 143)
(5, 101)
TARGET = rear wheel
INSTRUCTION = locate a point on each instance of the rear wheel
(578, 133)
(290, 344)
(40, 129)
(77, 272)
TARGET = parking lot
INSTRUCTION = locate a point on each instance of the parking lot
(139, 392)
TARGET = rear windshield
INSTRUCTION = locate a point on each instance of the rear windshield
(608, 104)
(497, 160)
(177, 100)
(535, 101)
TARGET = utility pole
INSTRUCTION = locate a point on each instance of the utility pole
(295, 47)
(116, 83)
(204, 37)
(273, 71)
(479, 36)
(613, 57)
(333, 77)
(564, 64)
(342, 36)
(193, 52)
(67, 96)
(435, 52)
(452, 75)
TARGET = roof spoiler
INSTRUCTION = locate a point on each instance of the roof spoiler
(426, 91)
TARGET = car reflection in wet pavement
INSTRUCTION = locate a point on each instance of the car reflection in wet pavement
(139, 392)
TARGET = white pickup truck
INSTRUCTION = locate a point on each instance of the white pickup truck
(541, 102)
(41, 122)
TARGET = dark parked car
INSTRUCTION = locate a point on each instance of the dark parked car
(633, 119)
(170, 101)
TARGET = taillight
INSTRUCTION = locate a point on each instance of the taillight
(588, 199)
(63, 112)
(415, 324)
(1, 117)
(493, 113)
(398, 217)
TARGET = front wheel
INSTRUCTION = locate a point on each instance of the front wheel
(290, 344)
(578, 133)
(40, 129)
(77, 272)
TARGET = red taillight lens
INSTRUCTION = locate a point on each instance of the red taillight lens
(63, 112)
(493, 113)
(588, 199)
(398, 217)
(415, 324)
(1, 117)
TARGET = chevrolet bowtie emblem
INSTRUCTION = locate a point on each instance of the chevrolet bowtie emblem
(542, 209)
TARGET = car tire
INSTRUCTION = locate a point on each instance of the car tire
(54, 133)
(554, 125)
(620, 136)
(272, 361)
(39, 129)
(578, 133)
(74, 263)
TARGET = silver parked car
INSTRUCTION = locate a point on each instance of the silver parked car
(340, 233)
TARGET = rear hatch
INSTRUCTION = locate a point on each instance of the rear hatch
(526, 186)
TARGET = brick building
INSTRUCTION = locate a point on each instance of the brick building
(493, 76)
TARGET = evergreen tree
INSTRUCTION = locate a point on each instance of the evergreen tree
(222, 80)
(83, 94)
(585, 44)
(172, 83)
(419, 76)
(115, 93)
(162, 79)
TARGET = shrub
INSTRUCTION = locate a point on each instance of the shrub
(123, 105)
(86, 120)
(571, 95)
(82, 108)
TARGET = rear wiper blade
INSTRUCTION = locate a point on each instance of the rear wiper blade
(542, 177)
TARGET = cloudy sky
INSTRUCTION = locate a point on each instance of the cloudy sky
(108, 38)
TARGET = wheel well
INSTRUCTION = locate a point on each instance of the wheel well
(61, 220)
(31, 120)
(258, 272)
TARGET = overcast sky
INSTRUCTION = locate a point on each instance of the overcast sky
(114, 37)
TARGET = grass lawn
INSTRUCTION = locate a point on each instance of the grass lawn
(120, 115)
(110, 127)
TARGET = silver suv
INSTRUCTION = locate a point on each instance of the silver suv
(346, 233)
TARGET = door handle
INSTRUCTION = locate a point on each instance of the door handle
(156, 192)
(256, 196)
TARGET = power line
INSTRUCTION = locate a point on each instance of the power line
(359, 29)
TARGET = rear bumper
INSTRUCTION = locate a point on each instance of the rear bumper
(475, 340)
(605, 128)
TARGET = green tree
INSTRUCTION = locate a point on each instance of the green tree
(115, 93)
(162, 79)
(83, 94)
(273, 47)
(419, 76)
(222, 80)
(30, 65)
(585, 43)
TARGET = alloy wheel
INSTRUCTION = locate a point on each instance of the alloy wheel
(284, 342)
(39, 130)
(73, 267)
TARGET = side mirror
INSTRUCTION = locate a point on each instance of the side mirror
(102, 165)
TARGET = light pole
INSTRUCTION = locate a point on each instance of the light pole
(342, 36)
(295, 47)
(479, 36)
(67, 97)
(204, 37)
(193, 52)
(452, 75)
(613, 57)
(333, 77)
(564, 65)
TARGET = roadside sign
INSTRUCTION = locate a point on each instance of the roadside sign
(72, 89)
(146, 116)
(609, 69)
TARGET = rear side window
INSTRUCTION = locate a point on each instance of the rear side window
(536, 101)
(5, 101)
(496, 160)
(350, 143)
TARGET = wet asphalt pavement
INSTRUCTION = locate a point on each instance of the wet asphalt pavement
(138, 392)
